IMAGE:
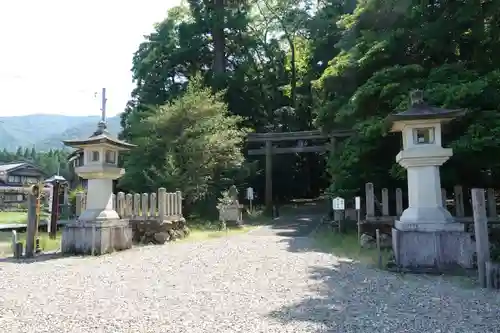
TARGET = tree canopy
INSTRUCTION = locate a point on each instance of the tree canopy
(281, 65)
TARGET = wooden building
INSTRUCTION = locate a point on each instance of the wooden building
(15, 179)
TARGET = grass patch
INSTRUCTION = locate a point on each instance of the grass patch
(13, 217)
(347, 245)
(203, 229)
(46, 244)
(19, 217)
(198, 234)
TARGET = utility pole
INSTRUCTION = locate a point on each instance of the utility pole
(103, 104)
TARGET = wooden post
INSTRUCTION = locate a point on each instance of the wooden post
(129, 205)
(481, 233)
(153, 205)
(162, 205)
(54, 216)
(269, 176)
(120, 204)
(399, 202)
(489, 280)
(79, 204)
(492, 204)
(144, 206)
(31, 229)
(459, 201)
(370, 200)
(137, 204)
(179, 202)
(385, 202)
(377, 237)
(14, 242)
(443, 197)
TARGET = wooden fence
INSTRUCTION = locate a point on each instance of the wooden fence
(458, 202)
(162, 205)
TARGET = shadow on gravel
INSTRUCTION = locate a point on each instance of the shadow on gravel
(351, 297)
(297, 226)
(297, 220)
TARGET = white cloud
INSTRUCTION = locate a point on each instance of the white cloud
(56, 53)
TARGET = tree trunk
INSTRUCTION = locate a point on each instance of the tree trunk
(293, 81)
(219, 38)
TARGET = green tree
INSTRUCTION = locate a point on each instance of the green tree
(191, 144)
(385, 52)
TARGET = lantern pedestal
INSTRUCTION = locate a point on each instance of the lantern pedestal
(441, 250)
(96, 237)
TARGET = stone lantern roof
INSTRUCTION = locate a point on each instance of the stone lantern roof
(420, 110)
(100, 136)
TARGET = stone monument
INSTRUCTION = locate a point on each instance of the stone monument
(426, 234)
(99, 229)
(230, 209)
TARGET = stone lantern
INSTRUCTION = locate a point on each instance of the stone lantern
(99, 229)
(426, 234)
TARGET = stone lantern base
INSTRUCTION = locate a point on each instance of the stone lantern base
(439, 250)
(96, 237)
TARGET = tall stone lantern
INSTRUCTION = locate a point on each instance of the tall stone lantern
(426, 234)
(99, 229)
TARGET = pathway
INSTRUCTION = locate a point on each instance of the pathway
(265, 281)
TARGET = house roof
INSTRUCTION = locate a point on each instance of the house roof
(9, 167)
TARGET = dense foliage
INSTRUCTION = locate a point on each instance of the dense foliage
(283, 65)
(192, 144)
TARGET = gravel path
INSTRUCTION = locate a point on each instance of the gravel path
(251, 283)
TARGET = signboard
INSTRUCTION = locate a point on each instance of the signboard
(338, 203)
(357, 202)
(249, 193)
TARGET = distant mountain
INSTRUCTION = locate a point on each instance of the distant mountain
(45, 132)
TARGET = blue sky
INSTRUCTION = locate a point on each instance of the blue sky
(55, 54)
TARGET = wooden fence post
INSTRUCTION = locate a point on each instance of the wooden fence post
(385, 202)
(31, 229)
(481, 233)
(370, 200)
(179, 203)
(492, 204)
(459, 201)
(144, 206)
(162, 203)
(120, 204)
(153, 205)
(137, 205)
(399, 202)
(79, 203)
(129, 205)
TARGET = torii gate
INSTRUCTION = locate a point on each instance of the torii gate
(269, 150)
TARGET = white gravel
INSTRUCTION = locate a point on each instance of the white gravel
(246, 283)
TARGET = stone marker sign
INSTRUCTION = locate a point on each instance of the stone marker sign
(338, 203)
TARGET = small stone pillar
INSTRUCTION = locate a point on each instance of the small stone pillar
(426, 234)
(99, 229)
